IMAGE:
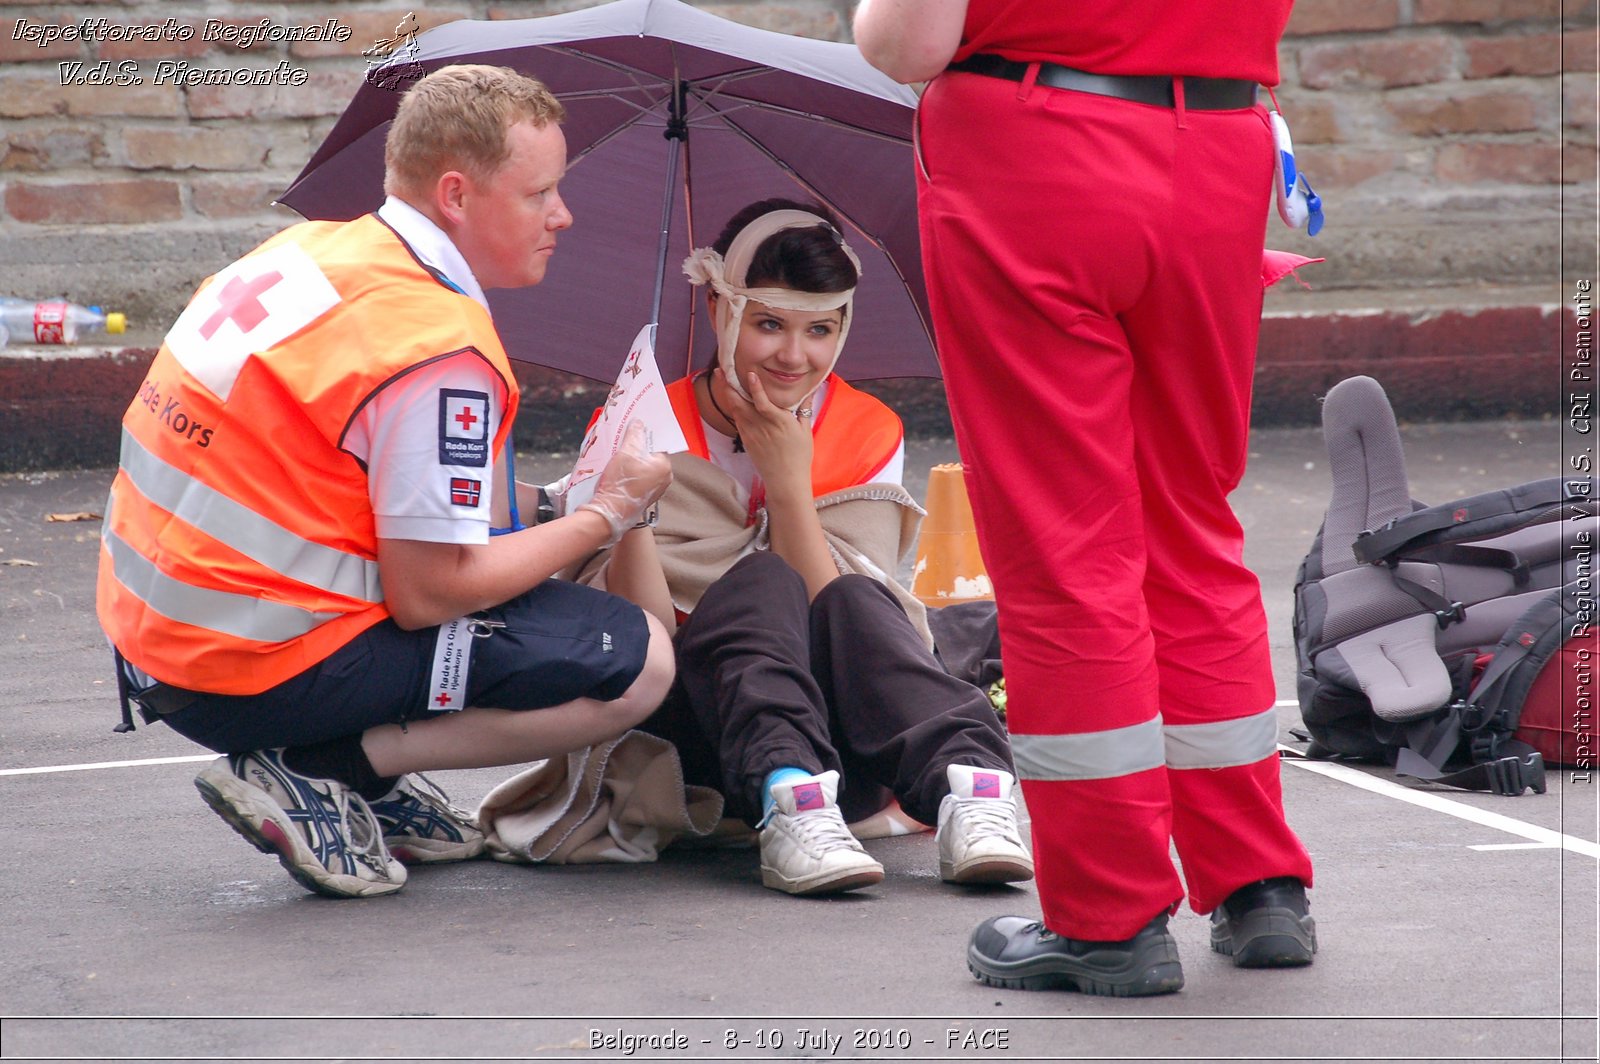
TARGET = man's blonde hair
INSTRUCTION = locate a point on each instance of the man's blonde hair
(456, 119)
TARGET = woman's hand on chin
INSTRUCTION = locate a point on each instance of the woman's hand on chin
(777, 440)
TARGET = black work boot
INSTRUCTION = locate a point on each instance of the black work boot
(1023, 954)
(1266, 924)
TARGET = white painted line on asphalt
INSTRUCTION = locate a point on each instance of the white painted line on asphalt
(1543, 838)
(1357, 778)
(107, 764)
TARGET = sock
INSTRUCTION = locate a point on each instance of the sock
(340, 759)
(778, 775)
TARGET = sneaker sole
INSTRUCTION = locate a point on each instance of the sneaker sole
(986, 870)
(408, 849)
(251, 816)
(1271, 938)
(821, 883)
(1154, 970)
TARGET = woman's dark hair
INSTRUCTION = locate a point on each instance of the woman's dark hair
(807, 260)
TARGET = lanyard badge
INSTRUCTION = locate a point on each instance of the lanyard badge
(1298, 205)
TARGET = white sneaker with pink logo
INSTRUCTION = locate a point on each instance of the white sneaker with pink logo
(979, 840)
(806, 847)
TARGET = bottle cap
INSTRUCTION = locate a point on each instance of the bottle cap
(116, 322)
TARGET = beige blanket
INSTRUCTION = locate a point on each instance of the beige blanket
(621, 801)
(701, 533)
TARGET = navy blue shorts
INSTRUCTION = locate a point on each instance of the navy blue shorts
(558, 642)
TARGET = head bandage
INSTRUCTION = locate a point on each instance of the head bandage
(726, 276)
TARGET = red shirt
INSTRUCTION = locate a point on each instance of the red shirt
(1191, 38)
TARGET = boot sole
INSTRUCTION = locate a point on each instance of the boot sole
(986, 870)
(252, 818)
(1267, 938)
(1153, 970)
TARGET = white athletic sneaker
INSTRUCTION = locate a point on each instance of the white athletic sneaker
(805, 846)
(321, 831)
(420, 826)
(979, 841)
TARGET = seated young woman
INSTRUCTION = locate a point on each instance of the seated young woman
(806, 691)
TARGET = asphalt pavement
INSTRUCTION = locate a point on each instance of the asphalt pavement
(1453, 926)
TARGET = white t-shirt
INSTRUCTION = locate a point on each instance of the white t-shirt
(427, 436)
(406, 432)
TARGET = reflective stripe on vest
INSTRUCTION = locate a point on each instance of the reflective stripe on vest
(243, 616)
(1140, 747)
(237, 526)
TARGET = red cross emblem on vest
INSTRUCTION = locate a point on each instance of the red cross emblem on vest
(467, 419)
(240, 300)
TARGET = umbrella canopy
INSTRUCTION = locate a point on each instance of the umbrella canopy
(676, 119)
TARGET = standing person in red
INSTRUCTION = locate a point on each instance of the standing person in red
(1093, 185)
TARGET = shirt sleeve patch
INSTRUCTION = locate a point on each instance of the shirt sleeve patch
(465, 492)
(463, 427)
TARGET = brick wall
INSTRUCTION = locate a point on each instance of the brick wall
(128, 194)
(1453, 140)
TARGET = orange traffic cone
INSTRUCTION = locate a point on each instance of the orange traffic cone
(949, 568)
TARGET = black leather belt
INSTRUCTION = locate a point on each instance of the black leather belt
(1199, 94)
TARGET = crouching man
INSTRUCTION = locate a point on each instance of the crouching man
(297, 569)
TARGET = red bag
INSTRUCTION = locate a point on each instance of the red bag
(1558, 714)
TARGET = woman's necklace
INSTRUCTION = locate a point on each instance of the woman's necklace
(711, 393)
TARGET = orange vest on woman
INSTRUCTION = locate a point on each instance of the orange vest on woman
(239, 546)
(852, 434)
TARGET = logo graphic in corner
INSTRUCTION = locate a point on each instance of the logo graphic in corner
(463, 428)
(985, 785)
(464, 492)
(808, 796)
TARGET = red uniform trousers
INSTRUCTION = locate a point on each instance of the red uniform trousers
(1094, 271)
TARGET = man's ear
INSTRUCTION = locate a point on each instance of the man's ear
(450, 194)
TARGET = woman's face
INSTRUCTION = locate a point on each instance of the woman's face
(789, 351)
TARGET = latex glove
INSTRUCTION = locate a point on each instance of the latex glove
(630, 483)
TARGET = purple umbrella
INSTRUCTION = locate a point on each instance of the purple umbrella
(676, 119)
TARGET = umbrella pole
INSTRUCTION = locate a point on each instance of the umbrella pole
(677, 133)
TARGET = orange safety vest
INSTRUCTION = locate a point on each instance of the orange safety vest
(239, 546)
(853, 434)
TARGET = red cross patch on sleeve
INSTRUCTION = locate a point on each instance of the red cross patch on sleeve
(464, 492)
(463, 427)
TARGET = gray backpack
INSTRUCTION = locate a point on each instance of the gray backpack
(1420, 630)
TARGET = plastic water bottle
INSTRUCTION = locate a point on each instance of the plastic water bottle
(55, 321)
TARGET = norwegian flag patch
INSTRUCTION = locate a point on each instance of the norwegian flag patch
(465, 492)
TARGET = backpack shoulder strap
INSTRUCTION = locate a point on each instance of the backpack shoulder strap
(1479, 516)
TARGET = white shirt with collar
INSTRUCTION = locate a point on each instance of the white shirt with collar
(397, 433)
